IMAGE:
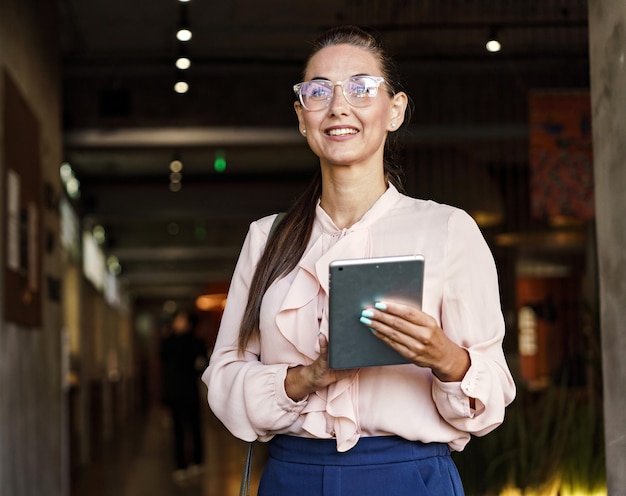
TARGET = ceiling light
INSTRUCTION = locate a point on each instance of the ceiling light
(113, 265)
(73, 188)
(99, 234)
(66, 172)
(181, 87)
(169, 306)
(493, 45)
(183, 63)
(72, 185)
(183, 34)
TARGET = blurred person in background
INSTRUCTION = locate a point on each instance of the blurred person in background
(184, 357)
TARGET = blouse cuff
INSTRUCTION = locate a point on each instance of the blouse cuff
(453, 398)
(450, 399)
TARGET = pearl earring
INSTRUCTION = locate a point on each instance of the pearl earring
(304, 131)
(393, 125)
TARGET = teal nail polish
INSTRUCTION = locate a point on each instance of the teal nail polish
(365, 320)
(380, 306)
(367, 313)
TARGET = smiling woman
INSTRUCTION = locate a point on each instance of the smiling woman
(350, 127)
(346, 432)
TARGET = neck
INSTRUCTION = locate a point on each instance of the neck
(346, 199)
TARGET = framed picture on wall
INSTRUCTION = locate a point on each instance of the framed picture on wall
(21, 166)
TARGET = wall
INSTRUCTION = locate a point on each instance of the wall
(32, 413)
(607, 42)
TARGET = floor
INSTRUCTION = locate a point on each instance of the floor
(139, 461)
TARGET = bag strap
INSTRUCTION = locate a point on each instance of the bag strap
(279, 217)
(244, 488)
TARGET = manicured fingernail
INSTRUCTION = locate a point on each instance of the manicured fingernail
(366, 321)
(380, 305)
(367, 313)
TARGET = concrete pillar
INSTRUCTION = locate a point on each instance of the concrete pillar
(607, 37)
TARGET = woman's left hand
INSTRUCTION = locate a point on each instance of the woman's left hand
(417, 337)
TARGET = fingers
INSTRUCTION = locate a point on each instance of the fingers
(403, 327)
(323, 342)
(323, 358)
(392, 318)
(410, 313)
(394, 330)
(320, 370)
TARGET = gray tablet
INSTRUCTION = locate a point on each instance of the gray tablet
(357, 284)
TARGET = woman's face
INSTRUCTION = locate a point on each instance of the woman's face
(341, 134)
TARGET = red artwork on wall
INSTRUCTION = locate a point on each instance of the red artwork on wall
(561, 159)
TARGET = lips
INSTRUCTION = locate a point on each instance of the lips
(341, 131)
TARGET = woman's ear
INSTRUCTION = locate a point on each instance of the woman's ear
(398, 108)
(298, 108)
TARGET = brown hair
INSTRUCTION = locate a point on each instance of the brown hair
(286, 245)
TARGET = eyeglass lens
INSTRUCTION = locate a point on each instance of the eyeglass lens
(360, 91)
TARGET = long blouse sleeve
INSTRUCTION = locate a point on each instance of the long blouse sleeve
(471, 315)
(248, 396)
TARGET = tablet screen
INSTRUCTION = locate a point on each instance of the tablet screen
(357, 284)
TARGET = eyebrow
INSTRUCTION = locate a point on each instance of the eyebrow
(326, 79)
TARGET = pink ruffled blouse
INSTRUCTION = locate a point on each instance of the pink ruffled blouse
(460, 292)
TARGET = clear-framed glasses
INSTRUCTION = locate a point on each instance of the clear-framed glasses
(360, 91)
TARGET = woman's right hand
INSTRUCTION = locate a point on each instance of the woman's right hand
(306, 379)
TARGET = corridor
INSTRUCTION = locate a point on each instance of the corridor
(124, 199)
(139, 462)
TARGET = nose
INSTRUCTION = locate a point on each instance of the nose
(338, 100)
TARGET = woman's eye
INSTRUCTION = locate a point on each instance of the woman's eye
(318, 92)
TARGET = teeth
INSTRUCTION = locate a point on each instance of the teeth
(341, 132)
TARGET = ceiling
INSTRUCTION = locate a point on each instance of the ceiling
(124, 124)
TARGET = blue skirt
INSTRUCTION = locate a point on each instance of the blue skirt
(385, 465)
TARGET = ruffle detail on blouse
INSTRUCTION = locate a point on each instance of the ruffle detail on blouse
(335, 410)
(331, 412)
(300, 306)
